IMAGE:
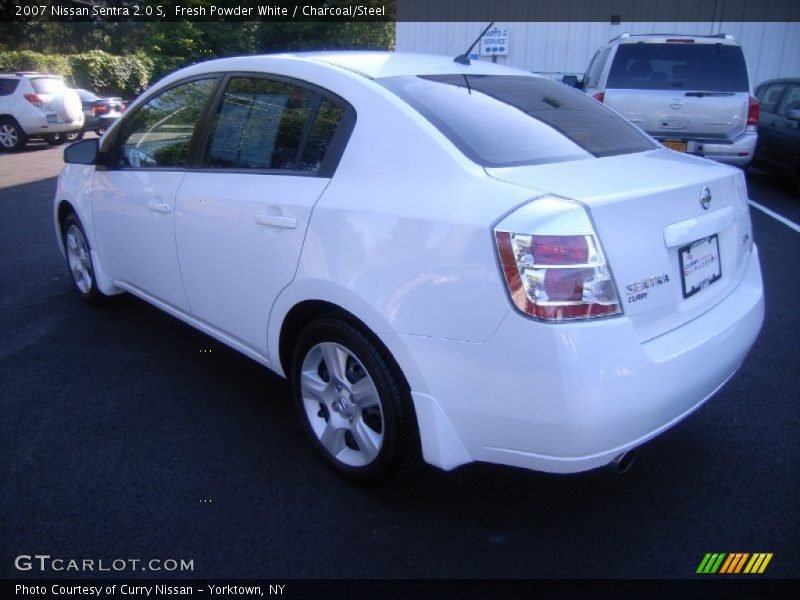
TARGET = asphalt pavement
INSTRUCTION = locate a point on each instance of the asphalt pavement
(127, 434)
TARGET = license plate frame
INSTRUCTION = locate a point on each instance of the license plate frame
(700, 271)
(676, 145)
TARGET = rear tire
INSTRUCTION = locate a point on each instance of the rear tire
(73, 136)
(79, 260)
(354, 403)
(12, 138)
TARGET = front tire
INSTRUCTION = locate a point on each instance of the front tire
(12, 138)
(79, 260)
(354, 403)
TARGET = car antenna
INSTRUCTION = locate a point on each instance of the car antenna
(463, 59)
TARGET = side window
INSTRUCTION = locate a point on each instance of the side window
(595, 69)
(8, 85)
(772, 94)
(260, 125)
(158, 134)
(326, 122)
(791, 100)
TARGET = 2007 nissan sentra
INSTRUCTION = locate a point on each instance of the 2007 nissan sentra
(449, 262)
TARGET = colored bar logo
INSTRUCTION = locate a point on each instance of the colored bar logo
(734, 563)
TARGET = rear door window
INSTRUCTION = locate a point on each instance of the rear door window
(769, 98)
(508, 120)
(791, 100)
(8, 85)
(259, 125)
(272, 125)
(674, 66)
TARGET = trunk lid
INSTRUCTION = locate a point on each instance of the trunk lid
(646, 208)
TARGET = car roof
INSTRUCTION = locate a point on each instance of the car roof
(779, 80)
(372, 65)
(661, 38)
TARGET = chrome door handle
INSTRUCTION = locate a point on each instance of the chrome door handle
(277, 221)
(161, 207)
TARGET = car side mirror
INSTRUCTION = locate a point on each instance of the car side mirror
(793, 114)
(85, 152)
(570, 80)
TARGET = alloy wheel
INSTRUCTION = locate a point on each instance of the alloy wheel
(9, 137)
(342, 404)
(79, 259)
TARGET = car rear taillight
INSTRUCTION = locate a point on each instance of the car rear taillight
(599, 96)
(752, 115)
(34, 99)
(552, 262)
(100, 110)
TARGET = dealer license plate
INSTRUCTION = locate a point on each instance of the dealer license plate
(676, 145)
(700, 266)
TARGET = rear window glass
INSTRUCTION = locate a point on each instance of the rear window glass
(87, 96)
(698, 67)
(47, 85)
(8, 85)
(508, 120)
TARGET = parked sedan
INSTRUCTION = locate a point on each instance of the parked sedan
(99, 113)
(449, 262)
(778, 148)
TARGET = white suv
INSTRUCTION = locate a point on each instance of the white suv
(692, 93)
(36, 105)
(464, 261)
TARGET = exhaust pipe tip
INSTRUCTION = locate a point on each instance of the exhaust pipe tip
(623, 462)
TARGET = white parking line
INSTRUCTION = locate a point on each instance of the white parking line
(776, 216)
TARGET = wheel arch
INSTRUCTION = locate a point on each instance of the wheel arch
(63, 208)
(303, 301)
(440, 444)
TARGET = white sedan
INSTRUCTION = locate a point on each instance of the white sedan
(450, 263)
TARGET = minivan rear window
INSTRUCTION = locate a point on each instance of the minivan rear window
(673, 66)
(510, 120)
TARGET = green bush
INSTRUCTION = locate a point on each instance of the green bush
(109, 74)
(27, 60)
(98, 71)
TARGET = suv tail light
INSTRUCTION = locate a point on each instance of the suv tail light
(34, 99)
(752, 115)
(552, 262)
(599, 96)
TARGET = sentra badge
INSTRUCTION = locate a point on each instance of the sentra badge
(638, 290)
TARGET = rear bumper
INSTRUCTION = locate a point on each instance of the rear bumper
(103, 122)
(738, 153)
(572, 397)
(36, 124)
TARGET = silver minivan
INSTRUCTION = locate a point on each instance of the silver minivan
(692, 93)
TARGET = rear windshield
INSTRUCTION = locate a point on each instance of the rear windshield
(47, 85)
(509, 120)
(697, 67)
(87, 96)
